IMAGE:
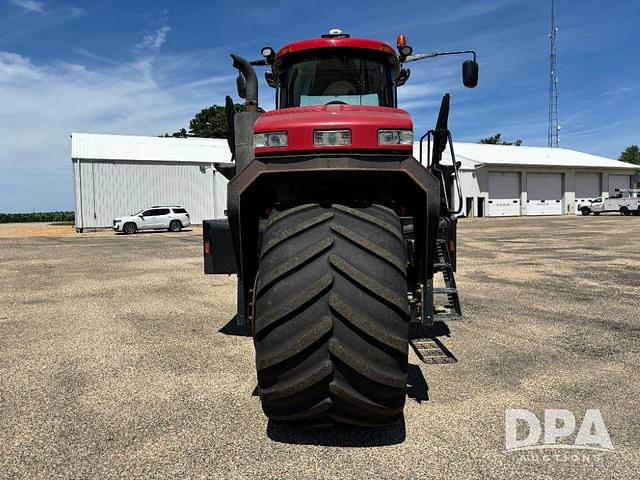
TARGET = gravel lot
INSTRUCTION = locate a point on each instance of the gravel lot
(118, 360)
(36, 229)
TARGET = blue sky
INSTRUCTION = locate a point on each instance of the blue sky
(145, 67)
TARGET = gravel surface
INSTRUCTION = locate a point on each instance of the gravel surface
(36, 229)
(119, 359)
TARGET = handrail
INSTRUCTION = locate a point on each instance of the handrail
(428, 135)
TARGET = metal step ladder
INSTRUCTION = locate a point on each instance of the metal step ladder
(449, 309)
(424, 336)
(427, 345)
(432, 351)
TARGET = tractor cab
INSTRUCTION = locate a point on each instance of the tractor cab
(340, 71)
(335, 94)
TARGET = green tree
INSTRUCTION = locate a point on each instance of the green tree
(631, 155)
(182, 133)
(211, 122)
(497, 140)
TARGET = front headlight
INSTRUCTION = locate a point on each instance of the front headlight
(395, 137)
(332, 137)
(270, 139)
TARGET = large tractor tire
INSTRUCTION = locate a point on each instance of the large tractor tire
(331, 316)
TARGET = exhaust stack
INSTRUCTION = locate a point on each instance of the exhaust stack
(243, 122)
(247, 83)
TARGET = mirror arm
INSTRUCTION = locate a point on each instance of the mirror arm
(422, 56)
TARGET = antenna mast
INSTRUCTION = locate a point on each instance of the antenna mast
(553, 135)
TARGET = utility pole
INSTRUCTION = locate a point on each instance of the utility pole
(553, 134)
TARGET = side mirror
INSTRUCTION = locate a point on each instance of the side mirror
(241, 84)
(470, 73)
(403, 76)
(271, 81)
(141, 216)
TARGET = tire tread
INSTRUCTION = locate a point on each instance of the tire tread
(331, 316)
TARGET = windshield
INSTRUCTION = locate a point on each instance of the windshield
(344, 77)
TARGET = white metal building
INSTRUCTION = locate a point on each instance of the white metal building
(119, 175)
(502, 180)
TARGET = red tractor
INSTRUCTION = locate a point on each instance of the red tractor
(334, 229)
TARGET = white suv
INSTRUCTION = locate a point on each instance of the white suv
(172, 218)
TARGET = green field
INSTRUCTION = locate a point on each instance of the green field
(66, 217)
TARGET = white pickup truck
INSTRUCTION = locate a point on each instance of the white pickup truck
(624, 201)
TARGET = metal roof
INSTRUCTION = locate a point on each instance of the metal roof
(208, 150)
(139, 149)
(476, 155)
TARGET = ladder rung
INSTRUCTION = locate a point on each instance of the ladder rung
(441, 265)
(445, 290)
(447, 316)
(438, 360)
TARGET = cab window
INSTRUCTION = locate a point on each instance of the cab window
(336, 77)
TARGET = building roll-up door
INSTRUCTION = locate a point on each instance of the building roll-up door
(587, 186)
(504, 194)
(544, 194)
(618, 181)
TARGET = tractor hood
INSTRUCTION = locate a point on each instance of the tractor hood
(362, 121)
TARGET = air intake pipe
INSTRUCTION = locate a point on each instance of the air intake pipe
(243, 122)
(247, 83)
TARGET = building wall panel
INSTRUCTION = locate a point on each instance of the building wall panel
(109, 189)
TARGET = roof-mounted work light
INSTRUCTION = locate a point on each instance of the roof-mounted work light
(404, 49)
(269, 54)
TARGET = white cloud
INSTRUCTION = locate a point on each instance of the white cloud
(39, 7)
(469, 10)
(45, 102)
(153, 41)
(29, 5)
(42, 103)
(74, 11)
(619, 91)
(15, 68)
(590, 131)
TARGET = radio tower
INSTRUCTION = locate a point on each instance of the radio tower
(553, 135)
